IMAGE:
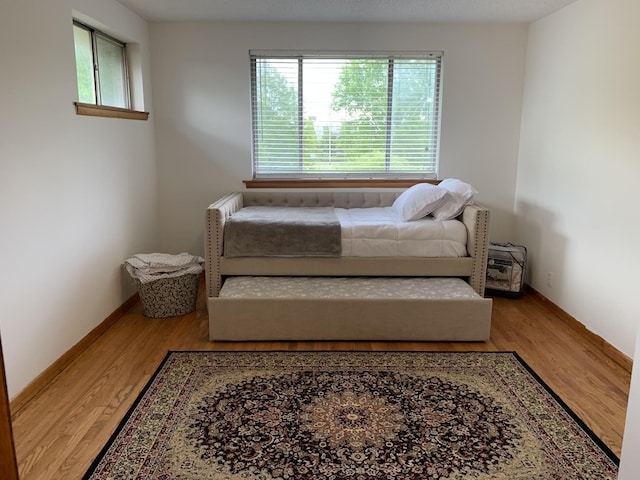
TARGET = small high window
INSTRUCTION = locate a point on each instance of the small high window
(101, 68)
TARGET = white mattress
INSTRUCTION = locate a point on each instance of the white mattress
(378, 232)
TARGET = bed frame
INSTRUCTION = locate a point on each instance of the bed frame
(472, 268)
(251, 309)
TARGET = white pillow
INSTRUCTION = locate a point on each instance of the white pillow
(418, 201)
(460, 194)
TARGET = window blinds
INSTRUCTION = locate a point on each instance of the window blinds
(345, 115)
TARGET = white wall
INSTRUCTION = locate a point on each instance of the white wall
(201, 84)
(630, 460)
(579, 168)
(77, 194)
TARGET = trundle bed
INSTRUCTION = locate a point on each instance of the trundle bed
(387, 280)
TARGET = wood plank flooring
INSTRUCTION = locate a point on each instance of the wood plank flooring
(58, 433)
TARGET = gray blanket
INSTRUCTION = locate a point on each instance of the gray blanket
(283, 231)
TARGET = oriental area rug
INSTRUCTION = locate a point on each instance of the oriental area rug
(352, 416)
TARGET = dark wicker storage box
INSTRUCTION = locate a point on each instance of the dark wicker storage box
(169, 297)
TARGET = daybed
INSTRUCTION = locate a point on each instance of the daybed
(270, 310)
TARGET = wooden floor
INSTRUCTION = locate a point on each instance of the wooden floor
(58, 434)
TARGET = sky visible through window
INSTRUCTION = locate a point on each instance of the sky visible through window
(319, 79)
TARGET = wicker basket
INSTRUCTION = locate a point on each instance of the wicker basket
(169, 297)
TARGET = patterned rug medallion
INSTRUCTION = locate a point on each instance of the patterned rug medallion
(350, 415)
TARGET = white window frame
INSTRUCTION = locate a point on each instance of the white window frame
(95, 34)
(300, 173)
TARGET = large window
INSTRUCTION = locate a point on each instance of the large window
(345, 116)
(101, 68)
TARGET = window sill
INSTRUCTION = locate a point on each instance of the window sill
(110, 112)
(338, 183)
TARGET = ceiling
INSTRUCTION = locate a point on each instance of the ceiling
(346, 10)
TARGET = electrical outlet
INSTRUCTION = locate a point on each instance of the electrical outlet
(549, 281)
